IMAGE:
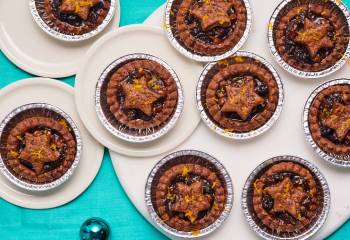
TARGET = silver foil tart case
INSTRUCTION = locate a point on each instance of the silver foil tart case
(337, 160)
(204, 58)
(67, 37)
(151, 134)
(289, 68)
(79, 145)
(322, 183)
(203, 232)
(251, 134)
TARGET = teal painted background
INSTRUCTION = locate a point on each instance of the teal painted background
(105, 197)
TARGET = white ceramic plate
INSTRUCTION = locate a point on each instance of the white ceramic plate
(34, 51)
(61, 95)
(127, 40)
(240, 158)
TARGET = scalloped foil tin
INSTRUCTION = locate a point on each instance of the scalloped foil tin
(322, 216)
(174, 232)
(68, 174)
(66, 37)
(337, 160)
(128, 137)
(203, 58)
(294, 71)
(248, 135)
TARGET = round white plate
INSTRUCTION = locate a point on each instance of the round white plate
(61, 95)
(127, 40)
(34, 51)
(241, 157)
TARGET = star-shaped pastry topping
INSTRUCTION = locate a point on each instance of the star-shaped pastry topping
(287, 198)
(339, 120)
(37, 150)
(79, 7)
(139, 96)
(242, 100)
(314, 36)
(213, 13)
(191, 200)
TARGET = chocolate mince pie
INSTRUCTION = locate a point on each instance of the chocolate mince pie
(208, 28)
(311, 35)
(188, 193)
(285, 199)
(73, 17)
(139, 96)
(239, 94)
(38, 146)
(329, 120)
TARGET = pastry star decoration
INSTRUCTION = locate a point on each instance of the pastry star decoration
(191, 200)
(339, 120)
(213, 13)
(314, 36)
(139, 96)
(242, 100)
(79, 7)
(287, 198)
(37, 150)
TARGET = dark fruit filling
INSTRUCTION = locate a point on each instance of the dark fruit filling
(260, 88)
(173, 196)
(57, 143)
(325, 112)
(74, 19)
(153, 82)
(268, 201)
(300, 51)
(213, 35)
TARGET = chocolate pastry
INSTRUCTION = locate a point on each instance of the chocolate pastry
(38, 146)
(188, 193)
(208, 28)
(286, 199)
(139, 96)
(239, 94)
(73, 17)
(329, 120)
(311, 35)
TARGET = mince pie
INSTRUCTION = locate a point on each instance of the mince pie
(139, 96)
(38, 146)
(239, 94)
(73, 17)
(208, 28)
(311, 35)
(329, 120)
(285, 198)
(188, 193)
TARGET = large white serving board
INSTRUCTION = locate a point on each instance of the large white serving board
(240, 158)
(34, 51)
(61, 95)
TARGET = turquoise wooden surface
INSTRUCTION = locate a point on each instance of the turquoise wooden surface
(105, 197)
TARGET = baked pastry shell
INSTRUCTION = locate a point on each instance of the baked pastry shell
(289, 68)
(202, 58)
(334, 159)
(106, 122)
(58, 182)
(251, 134)
(152, 179)
(249, 212)
(71, 38)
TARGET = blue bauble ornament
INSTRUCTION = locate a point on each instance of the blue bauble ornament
(94, 229)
